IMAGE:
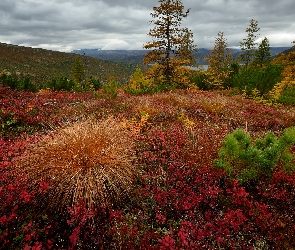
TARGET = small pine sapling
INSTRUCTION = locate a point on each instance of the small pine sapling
(245, 160)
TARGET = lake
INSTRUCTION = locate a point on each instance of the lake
(204, 66)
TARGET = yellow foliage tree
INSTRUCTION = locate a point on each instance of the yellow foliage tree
(288, 74)
(138, 81)
(220, 59)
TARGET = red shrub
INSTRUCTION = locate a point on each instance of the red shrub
(189, 207)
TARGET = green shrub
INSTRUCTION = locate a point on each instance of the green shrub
(27, 84)
(61, 83)
(109, 90)
(269, 76)
(234, 70)
(288, 95)
(64, 83)
(245, 160)
(262, 79)
(15, 83)
(9, 81)
(199, 78)
(94, 81)
(287, 156)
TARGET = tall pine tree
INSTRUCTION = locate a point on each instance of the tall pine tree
(78, 71)
(262, 55)
(248, 46)
(171, 46)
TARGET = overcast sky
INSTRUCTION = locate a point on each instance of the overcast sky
(65, 25)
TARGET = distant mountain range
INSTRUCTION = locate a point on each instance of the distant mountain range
(136, 56)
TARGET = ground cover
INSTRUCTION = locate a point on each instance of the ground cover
(177, 199)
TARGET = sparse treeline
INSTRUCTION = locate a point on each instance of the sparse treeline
(253, 73)
(79, 81)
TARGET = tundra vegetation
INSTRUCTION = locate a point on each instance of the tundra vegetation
(87, 163)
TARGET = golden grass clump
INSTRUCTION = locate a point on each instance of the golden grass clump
(179, 99)
(145, 104)
(89, 160)
(214, 106)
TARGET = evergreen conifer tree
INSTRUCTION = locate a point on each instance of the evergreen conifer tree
(172, 45)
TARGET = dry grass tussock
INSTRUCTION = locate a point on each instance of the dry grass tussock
(89, 160)
(177, 99)
(145, 104)
(214, 106)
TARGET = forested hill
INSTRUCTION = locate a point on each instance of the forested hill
(136, 56)
(43, 65)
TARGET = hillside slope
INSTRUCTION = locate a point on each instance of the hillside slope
(42, 65)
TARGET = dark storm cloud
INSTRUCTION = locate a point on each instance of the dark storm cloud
(116, 24)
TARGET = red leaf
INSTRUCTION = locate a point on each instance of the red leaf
(44, 186)
(38, 246)
(75, 236)
(25, 196)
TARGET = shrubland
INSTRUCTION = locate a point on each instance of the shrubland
(179, 169)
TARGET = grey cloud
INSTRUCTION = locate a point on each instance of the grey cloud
(233, 17)
(132, 3)
(117, 24)
(6, 6)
